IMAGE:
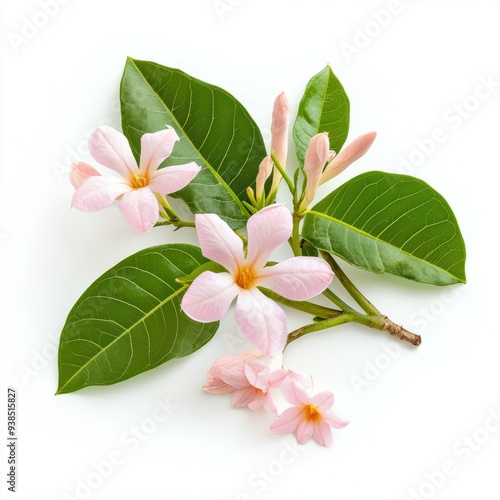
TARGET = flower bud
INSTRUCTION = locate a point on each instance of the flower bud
(265, 169)
(214, 384)
(354, 151)
(317, 154)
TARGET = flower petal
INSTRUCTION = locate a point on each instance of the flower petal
(257, 373)
(111, 148)
(98, 192)
(235, 376)
(287, 422)
(335, 422)
(263, 401)
(323, 434)
(140, 209)
(245, 396)
(295, 393)
(268, 404)
(155, 148)
(280, 376)
(277, 377)
(214, 383)
(170, 179)
(80, 172)
(209, 296)
(323, 400)
(305, 431)
(268, 229)
(219, 242)
(297, 278)
(262, 321)
(354, 151)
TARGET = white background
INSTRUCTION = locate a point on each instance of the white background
(408, 418)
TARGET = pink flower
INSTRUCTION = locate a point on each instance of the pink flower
(214, 383)
(136, 186)
(354, 151)
(251, 384)
(261, 319)
(309, 417)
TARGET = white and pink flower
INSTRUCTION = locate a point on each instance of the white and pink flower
(309, 417)
(261, 319)
(135, 186)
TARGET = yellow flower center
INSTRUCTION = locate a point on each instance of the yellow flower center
(138, 181)
(245, 278)
(311, 413)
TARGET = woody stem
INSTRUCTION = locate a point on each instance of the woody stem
(378, 322)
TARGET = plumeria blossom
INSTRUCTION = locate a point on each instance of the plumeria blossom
(135, 186)
(309, 417)
(261, 319)
(251, 383)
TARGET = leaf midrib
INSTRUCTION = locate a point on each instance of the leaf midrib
(324, 97)
(382, 242)
(125, 332)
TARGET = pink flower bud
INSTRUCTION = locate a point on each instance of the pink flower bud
(354, 151)
(265, 169)
(317, 154)
(279, 136)
(214, 384)
(279, 129)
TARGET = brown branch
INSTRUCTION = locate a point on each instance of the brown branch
(400, 332)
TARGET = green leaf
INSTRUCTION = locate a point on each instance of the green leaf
(216, 132)
(390, 223)
(323, 108)
(129, 320)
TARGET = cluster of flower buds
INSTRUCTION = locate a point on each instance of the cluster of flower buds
(276, 161)
(320, 163)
